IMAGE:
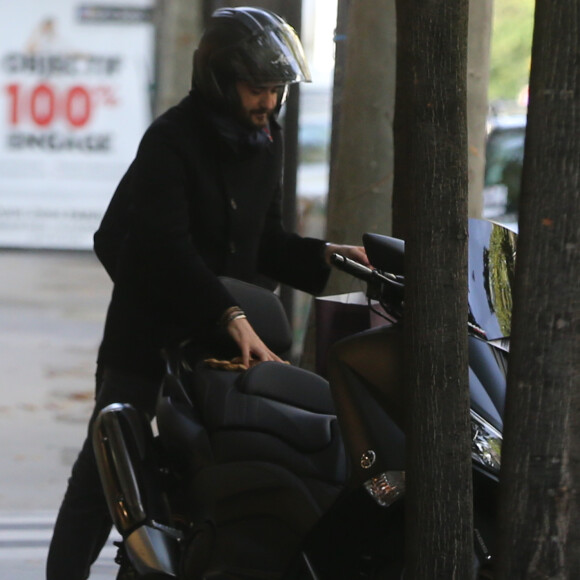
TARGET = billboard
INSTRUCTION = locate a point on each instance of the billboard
(75, 98)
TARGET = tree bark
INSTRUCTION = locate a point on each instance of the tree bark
(178, 29)
(361, 160)
(432, 76)
(478, 58)
(540, 525)
(361, 170)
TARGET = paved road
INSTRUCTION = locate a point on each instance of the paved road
(52, 307)
(24, 538)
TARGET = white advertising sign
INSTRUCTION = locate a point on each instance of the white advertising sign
(75, 84)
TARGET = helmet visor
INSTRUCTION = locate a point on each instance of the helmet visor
(275, 55)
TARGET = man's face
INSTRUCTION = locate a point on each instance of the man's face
(257, 102)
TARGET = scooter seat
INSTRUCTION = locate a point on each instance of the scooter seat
(287, 384)
(272, 413)
(264, 400)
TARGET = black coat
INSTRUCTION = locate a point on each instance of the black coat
(198, 201)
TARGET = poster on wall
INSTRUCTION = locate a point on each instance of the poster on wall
(75, 98)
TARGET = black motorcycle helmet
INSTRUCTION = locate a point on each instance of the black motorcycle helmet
(246, 44)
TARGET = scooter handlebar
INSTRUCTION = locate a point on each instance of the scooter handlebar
(364, 272)
(351, 267)
(381, 285)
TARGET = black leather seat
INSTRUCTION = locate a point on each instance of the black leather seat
(273, 413)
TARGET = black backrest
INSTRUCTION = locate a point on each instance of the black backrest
(265, 313)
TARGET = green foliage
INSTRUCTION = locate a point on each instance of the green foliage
(511, 44)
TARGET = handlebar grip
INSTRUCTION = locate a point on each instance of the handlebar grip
(381, 285)
(351, 267)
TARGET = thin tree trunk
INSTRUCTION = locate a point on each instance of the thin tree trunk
(432, 63)
(361, 165)
(540, 479)
(478, 54)
(179, 26)
(361, 161)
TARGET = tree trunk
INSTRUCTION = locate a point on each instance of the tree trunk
(439, 498)
(361, 165)
(540, 526)
(478, 55)
(361, 160)
(179, 26)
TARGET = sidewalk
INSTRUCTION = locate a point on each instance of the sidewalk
(52, 309)
(24, 538)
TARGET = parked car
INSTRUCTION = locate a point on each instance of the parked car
(503, 169)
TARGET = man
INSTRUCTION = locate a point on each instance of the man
(201, 199)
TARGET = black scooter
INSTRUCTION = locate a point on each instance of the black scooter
(244, 475)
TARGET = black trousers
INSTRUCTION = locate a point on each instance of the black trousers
(83, 523)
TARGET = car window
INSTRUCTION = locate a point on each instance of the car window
(503, 169)
(505, 147)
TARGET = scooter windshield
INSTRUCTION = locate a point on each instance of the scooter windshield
(491, 268)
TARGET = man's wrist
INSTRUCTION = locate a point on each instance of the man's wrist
(231, 314)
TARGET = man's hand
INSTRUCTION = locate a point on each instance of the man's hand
(356, 253)
(250, 344)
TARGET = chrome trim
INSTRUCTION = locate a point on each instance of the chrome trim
(387, 487)
(367, 459)
(486, 442)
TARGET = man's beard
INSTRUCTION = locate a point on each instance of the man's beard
(250, 118)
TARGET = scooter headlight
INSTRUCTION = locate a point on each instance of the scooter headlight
(486, 443)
